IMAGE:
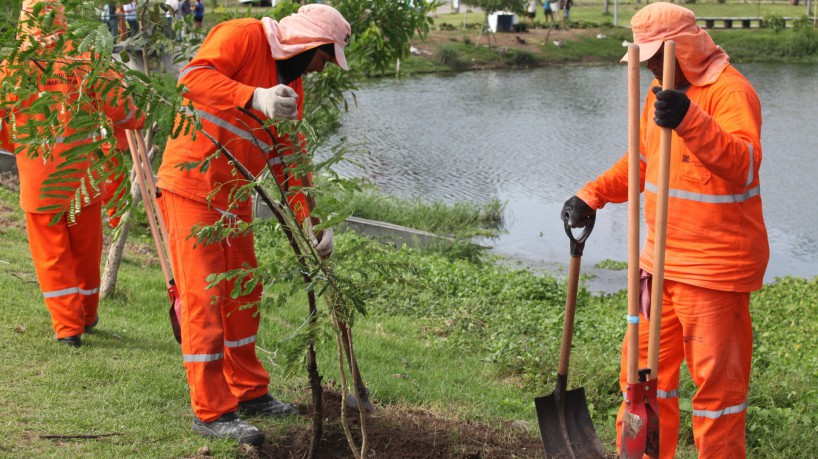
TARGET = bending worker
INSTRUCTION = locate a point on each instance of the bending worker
(66, 252)
(717, 247)
(256, 64)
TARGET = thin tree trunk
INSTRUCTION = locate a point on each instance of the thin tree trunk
(107, 285)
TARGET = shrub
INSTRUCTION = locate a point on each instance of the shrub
(449, 55)
(775, 22)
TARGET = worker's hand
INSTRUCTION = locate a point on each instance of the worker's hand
(324, 245)
(576, 212)
(276, 102)
(671, 107)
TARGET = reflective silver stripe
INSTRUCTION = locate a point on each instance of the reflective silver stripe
(667, 394)
(202, 357)
(127, 117)
(195, 67)
(235, 130)
(642, 158)
(274, 161)
(750, 172)
(240, 342)
(69, 291)
(708, 198)
(660, 394)
(717, 414)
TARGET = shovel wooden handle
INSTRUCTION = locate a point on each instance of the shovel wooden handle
(634, 184)
(660, 235)
(147, 199)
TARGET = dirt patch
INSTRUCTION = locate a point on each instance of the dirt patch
(10, 180)
(398, 432)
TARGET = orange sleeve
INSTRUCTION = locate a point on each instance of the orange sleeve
(207, 76)
(5, 138)
(728, 141)
(612, 185)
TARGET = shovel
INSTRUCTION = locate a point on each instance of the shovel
(566, 428)
(640, 426)
(147, 188)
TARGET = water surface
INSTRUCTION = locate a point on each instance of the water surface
(533, 138)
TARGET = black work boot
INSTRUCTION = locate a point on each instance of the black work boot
(91, 326)
(73, 341)
(363, 395)
(268, 406)
(229, 426)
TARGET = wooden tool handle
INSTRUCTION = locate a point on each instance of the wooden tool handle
(633, 213)
(660, 235)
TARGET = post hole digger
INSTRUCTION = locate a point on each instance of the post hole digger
(640, 425)
(565, 423)
(147, 189)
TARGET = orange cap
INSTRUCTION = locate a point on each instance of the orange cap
(657, 22)
(700, 59)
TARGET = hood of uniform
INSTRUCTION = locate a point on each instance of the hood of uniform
(41, 27)
(312, 26)
(700, 59)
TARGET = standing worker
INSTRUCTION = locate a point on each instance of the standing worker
(255, 64)
(66, 253)
(717, 249)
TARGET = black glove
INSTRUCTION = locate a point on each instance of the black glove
(671, 107)
(576, 212)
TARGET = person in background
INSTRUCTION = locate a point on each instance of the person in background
(66, 252)
(129, 10)
(184, 8)
(171, 14)
(532, 10)
(717, 248)
(548, 12)
(198, 14)
(566, 9)
(258, 65)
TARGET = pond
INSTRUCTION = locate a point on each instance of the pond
(532, 138)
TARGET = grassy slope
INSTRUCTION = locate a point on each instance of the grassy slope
(128, 379)
(466, 341)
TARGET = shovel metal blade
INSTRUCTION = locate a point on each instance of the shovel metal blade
(634, 423)
(566, 428)
(175, 312)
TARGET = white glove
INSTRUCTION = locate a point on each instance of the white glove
(276, 102)
(324, 247)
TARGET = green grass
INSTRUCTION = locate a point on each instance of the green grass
(468, 340)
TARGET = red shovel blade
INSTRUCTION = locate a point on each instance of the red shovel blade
(634, 423)
(652, 406)
(175, 312)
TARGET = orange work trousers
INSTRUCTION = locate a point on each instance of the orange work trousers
(711, 330)
(218, 332)
(66, 258)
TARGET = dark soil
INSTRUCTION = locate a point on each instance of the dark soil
(395, 432)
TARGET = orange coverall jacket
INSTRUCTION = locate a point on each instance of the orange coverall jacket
(35, 169)
(716, 237)
(227, 68)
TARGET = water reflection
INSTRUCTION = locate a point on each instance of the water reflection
(532, 138)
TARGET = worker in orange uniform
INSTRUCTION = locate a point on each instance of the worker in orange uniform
(255, 64)
(66, 253)
(717, 249)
